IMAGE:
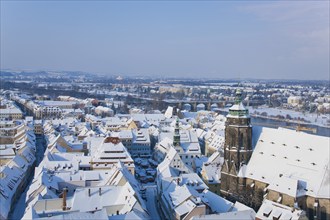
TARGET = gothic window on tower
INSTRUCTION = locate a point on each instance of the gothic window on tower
(241, 142)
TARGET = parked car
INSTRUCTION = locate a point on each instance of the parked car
(144, 163)
(150, 179)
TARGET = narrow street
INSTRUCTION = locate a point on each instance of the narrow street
(151, 202)
(18, 210)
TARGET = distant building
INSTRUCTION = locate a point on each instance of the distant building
(11, 113)
(104, 111)
(295, 100)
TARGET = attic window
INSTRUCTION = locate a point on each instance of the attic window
(285, 157)
(272, 142)
(313, 164)
(263, 177)
(298, 160)
(261, 152)
(273, 155)
(261, 140)
(297, 147)
(284, 144)
(310, 149)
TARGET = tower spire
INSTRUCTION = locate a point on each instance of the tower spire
(238, 109)
(238, 98)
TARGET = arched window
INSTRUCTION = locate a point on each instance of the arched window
(241, 142)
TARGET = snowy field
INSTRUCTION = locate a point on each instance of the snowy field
(322, 120)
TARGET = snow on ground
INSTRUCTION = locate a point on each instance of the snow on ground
(19, 206)
(322, 120)
(151, 202)
(312, 118)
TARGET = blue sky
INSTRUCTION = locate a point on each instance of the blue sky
(216, 39)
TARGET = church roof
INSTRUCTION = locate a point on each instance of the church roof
(293, 163)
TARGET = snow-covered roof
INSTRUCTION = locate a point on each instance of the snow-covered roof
(10, 111)
(291, 162)
(238, 107)
(271, 210)
(97, 197)
(116, 182)
(141, 136)
(100, 215)
(188, 140)
(11, 177)
(125, 134)
(56, 103)
(212, 168)
(233, 215)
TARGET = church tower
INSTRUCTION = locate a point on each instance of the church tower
(176, 138)
(237, 149)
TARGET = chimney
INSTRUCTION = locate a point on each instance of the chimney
(99, 191)
(64, 199)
